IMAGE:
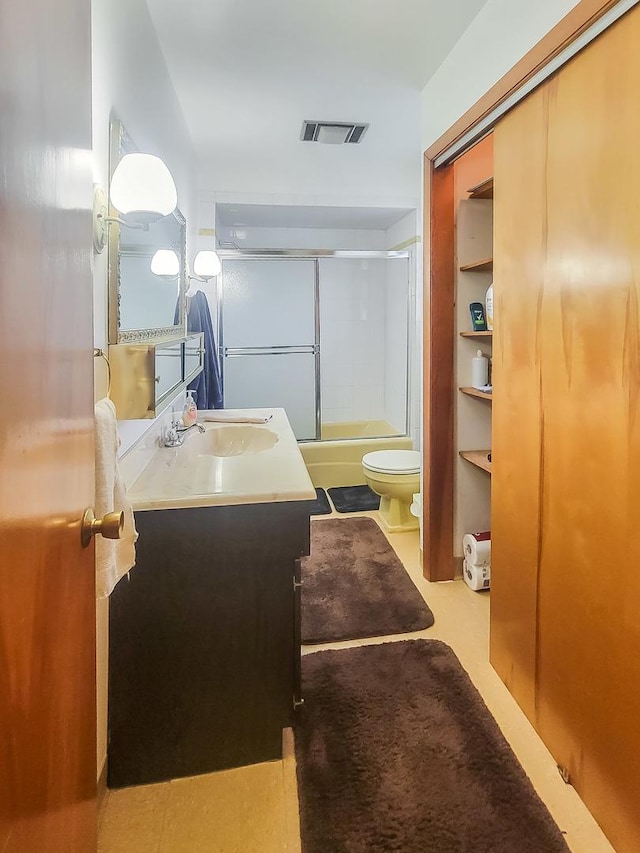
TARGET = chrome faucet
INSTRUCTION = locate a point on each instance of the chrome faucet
(176, 433)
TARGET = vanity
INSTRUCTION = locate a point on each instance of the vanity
(204, 644)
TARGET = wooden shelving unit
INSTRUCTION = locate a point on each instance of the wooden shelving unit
(479, 458)
(475, 255)
(473, 392)
(482, 190)
(486, 265)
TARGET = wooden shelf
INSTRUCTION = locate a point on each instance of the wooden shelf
(477, 458)
(482, 190)
(476, 334)
(473, 392)
(485, 265)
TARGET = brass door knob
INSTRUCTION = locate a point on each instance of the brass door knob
(110, 526)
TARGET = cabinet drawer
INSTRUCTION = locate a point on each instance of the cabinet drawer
(147, 375)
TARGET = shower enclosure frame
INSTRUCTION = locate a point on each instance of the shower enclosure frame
(315, 255)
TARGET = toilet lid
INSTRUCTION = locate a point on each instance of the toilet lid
(393, 461)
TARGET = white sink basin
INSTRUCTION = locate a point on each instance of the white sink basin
(227, 464)
(235, 440)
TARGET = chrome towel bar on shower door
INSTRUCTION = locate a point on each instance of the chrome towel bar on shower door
(229, 352)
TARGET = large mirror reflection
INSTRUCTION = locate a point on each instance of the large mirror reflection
(144, 305)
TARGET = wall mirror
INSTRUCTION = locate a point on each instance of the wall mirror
(143, 306)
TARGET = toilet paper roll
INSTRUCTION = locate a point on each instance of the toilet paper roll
(477, 577)
(477, 548)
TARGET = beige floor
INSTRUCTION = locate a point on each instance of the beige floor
(255, 809)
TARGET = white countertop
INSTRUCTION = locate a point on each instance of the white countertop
(261, 463)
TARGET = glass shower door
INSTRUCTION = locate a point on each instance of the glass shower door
(270, 338)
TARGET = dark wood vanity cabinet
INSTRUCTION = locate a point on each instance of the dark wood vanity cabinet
(204, 648)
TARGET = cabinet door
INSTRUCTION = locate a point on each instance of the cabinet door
(201, 641)
(297, 636)
(193, 356)
(168, 366)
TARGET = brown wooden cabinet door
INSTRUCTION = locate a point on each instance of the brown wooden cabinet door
(566, 446)
(47, 585)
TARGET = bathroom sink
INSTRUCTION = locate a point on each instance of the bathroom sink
(234, 440)
(228, 464)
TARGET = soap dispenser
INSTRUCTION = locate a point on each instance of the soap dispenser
(190, 411)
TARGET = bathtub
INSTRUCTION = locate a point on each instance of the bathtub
(336, 460)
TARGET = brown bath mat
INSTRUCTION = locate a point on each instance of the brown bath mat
(397, 753)
(355, 585)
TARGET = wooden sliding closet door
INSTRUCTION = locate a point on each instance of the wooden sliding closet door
(565, 622)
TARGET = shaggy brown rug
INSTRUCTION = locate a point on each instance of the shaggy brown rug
(396, 751)
(355, 585)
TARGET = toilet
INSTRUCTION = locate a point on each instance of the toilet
(395, 476)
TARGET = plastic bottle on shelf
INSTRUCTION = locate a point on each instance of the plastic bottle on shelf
(479, 370)
(190, 412)
(488, 307)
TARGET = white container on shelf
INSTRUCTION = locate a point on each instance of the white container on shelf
(479, 370)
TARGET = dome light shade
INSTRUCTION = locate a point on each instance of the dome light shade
(207, 265)
(165, 262)
(142, 187)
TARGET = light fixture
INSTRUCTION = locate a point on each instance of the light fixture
(165, 263)
(141, 189)
(206, 265)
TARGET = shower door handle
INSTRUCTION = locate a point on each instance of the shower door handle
(303, 349)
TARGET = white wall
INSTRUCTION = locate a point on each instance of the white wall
(498, 37)
(130, 79)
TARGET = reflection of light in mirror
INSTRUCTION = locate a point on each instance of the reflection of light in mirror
(165, 263)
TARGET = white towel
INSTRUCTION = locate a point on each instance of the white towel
(230, 419)
(114, 557)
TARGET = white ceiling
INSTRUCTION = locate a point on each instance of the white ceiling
(247, 72)
(316, 216)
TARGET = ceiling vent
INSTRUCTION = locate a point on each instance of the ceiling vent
(332, 132)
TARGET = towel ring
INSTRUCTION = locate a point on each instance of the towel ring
(99, 353)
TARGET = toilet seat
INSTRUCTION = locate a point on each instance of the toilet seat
(392, 461)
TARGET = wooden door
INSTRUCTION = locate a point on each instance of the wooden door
(47, 597)
(565, 617)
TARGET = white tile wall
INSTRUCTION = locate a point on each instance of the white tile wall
(408, 229)
(352, 338)
(396, 334)
(300, 238)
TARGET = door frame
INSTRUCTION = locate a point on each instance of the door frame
(438, 563)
